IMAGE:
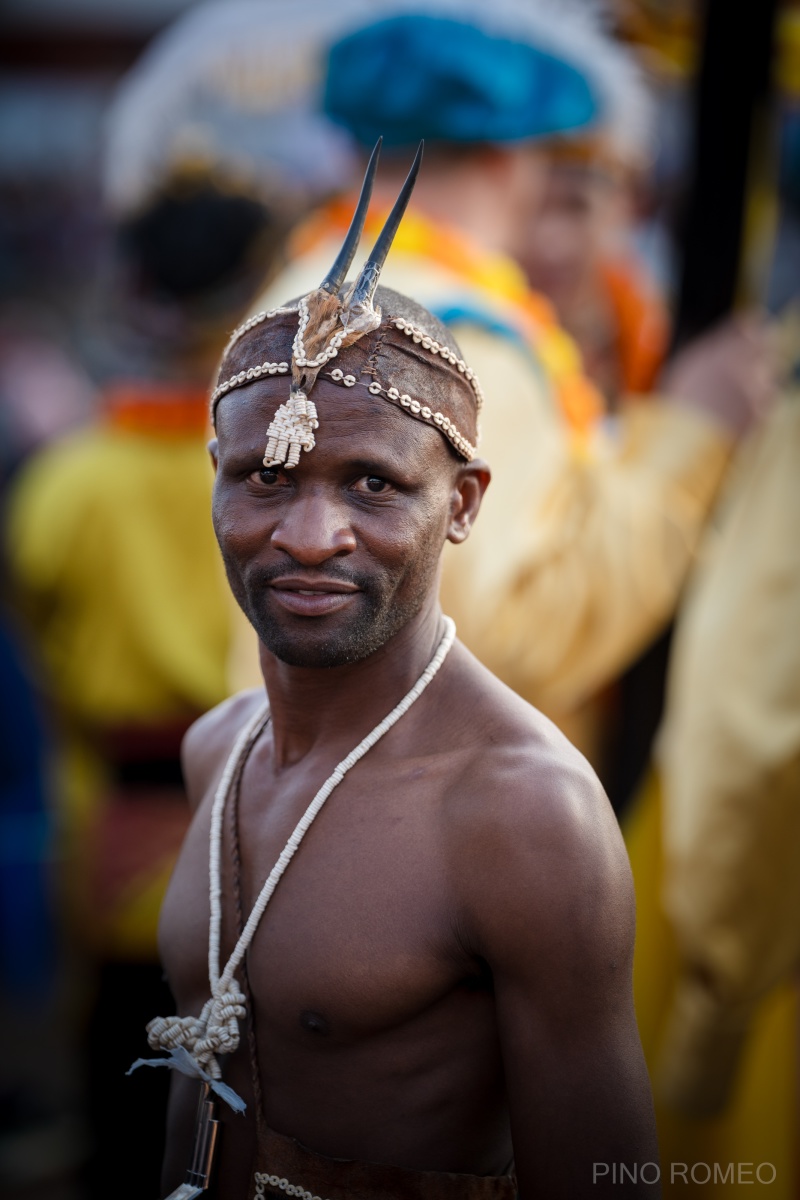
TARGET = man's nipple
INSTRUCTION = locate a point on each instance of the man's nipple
(314, 1022)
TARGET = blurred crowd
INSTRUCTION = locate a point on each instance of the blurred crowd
(168, 168)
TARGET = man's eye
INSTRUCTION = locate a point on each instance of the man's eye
(374, 483)
(266, 475)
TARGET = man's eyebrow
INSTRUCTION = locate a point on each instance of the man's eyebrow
(243, 453)
(375, 466)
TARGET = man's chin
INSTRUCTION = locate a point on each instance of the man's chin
(322, 659)
(320, 642)
(320, 655)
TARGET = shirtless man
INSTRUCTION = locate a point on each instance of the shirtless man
(441, 984)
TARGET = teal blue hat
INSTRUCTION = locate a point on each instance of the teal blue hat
(415, 76)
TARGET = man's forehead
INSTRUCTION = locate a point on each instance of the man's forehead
(357, 423)
(259, 401)
(395, 361)
(271, 340)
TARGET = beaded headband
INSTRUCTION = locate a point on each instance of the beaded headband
(335, 317)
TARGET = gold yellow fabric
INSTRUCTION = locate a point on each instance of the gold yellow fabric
(730, 755)
(576, 560)
(580, 549)
(117, 570)
(110, 542)
(760, 1121)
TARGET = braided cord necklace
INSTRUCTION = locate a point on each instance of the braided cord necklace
(195, 1042)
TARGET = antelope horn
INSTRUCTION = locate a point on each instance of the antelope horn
(367, 282)
(338, 272)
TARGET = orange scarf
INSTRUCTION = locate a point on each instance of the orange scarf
(642, 324)
(157, 409)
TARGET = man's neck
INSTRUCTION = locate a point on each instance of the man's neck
(338, 706)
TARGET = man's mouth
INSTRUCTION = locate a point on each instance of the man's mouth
(313, 597)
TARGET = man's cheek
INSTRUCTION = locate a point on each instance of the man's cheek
(238, 526)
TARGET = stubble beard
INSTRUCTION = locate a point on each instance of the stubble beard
(381, 610)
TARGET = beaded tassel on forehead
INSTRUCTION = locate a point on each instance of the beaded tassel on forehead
(329, 319)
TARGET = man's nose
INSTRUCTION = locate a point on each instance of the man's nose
(314, 528)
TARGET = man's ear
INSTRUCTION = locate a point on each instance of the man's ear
(468, 490)
(213, 450)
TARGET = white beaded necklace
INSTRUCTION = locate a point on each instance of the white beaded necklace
(216, 1030)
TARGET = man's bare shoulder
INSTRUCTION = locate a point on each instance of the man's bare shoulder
(528, 820)
(209, 741)
(514, 746)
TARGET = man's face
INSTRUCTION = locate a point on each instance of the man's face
(576, 218)
(332, 558)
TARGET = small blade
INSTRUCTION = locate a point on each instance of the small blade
(338, 272)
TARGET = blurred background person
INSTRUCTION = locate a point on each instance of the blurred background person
(48, 239)
(730, 766)
(580, 247)
(210, 158)
(117, 574)
(713, 834)
(612, 525)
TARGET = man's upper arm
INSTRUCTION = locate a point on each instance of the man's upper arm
(551, 910)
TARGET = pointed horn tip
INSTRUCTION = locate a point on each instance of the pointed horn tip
(417, 163)
(334, 280)
(364, 288)
(372, 162)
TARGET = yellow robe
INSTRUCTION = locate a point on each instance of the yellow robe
(111, 543)
(759, 1124)
(117, 570)
(719, 892)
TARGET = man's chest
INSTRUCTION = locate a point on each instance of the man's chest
(358, 934)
